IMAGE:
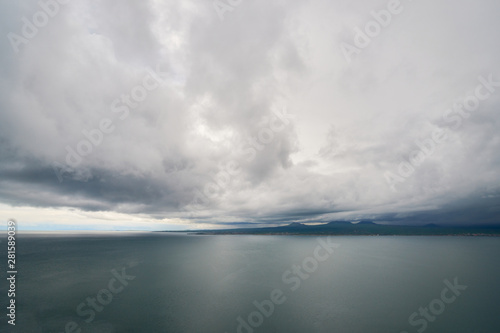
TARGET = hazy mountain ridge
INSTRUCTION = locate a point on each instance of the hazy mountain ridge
(362, 228)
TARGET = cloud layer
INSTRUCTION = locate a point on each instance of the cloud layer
(207, 112)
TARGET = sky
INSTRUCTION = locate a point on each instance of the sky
(171, 115)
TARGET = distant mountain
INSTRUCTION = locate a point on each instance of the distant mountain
(297, 225)
(362, 228)
(365, 223)
(338, 222)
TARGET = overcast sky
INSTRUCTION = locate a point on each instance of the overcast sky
(198, 114)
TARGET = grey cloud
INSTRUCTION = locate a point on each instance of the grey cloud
(223, 82)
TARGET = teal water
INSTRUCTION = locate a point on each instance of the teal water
(187, 283)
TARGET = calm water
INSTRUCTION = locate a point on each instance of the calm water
(179, 283)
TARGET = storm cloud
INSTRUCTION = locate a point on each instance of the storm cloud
(264, 112)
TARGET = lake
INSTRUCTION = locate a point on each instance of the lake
(163, 282)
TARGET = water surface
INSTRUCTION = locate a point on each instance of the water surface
(186, 283)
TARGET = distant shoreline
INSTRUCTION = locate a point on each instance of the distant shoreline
(326, 234)
(363, 228)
